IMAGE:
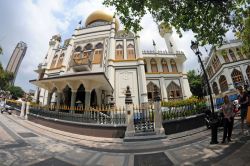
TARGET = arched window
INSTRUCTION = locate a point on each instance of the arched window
(78, 49)
(248, 72)
(215, 88)
(174, 91)
(239, 53)
(151, 89)
(224, 55)
(131, 51)
(164, 66)
(231, 53)
(53, 63)
(216, 63)
(60, 61)
(210, 71)
(237, 76)
(77, 53)
(173, 65)
(145, 66)
(98, 53)
(223, 83)
(154, 68)
(119, 52)
(87, 51)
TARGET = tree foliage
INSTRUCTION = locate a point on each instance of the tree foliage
(195, 82)
(208, 19)
(5, 78)
(244, 35)
(15, 91)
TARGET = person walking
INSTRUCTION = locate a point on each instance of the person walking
(228, 121)
(2, 104)
(243, 101)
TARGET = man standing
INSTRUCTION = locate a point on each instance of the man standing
(243, 101)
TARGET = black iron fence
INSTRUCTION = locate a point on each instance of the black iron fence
(143, 119)
(115, 116)
(178, 112)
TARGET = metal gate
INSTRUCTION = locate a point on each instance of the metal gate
(144, 119)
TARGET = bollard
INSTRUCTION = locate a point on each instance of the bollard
(22, 114)
(27, 110)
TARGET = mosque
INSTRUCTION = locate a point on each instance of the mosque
(99, 61)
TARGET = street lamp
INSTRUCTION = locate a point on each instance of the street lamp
(213, 123)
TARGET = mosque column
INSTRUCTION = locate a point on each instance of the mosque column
(163, 89)
(218, 85)
(98, 97)
(87, 98)
(243, 71)
(159, 65)
(58, 99)
(125, 49)
(73, 98)
(49, 98)
(184, 96)
(141, 73)
(111, 71)
(227, 74)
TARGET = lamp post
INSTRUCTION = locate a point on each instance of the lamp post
(213, 121)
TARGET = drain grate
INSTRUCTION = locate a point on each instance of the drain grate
(27, 135)
(52, 162)
(153, 159)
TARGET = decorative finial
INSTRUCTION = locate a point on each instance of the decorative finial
(154, 43)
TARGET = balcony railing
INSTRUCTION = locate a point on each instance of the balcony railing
(81, 64)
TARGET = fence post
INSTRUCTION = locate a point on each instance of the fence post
(130, 130)
(157, 113)
(27, 110)
(22, 114)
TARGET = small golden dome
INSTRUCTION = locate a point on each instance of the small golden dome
(100, 15)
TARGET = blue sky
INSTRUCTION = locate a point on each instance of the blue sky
(35, 21)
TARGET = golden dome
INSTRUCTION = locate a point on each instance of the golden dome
(100, 15)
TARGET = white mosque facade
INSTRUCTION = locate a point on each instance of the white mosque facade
(99, 61)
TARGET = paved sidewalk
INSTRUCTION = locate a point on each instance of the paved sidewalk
(25, 143)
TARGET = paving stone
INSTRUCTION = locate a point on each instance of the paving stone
(153, 159)
(111, 160)
(27, 135)
(52, 162)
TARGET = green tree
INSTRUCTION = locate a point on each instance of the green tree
(244, 35)
(195, 82)
(1, 50)
(208, 19)
(15, 91)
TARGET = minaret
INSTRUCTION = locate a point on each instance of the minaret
(166, 32)
(111, 56)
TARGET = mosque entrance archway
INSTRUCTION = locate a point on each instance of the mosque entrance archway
(80, 96)
(67, 95)
(93, 99)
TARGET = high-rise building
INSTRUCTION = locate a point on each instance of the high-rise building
(16, 59)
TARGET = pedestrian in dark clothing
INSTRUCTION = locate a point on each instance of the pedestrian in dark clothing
(228, 121)
(243, 101)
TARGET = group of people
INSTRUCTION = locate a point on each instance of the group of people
(230, 110)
